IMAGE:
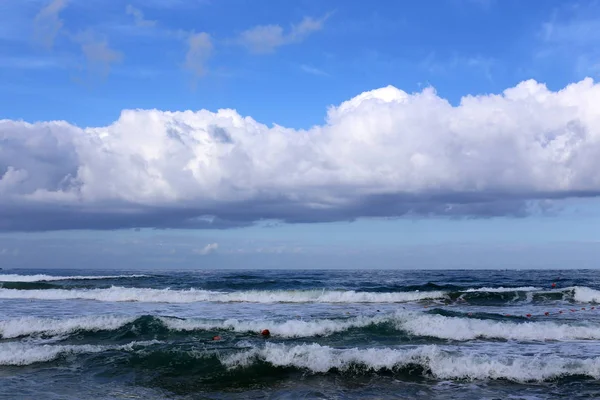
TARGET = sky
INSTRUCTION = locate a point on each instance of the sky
(306, 134)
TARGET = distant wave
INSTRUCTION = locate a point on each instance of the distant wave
(431, 359)
(119, 294)
(47, 278)
(484, 295)
(503, 289)
(409, 323)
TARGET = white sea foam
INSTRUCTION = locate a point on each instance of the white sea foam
(47, 278)
(586, 295)
(439, 363)
(120, 294)
(26, 326)
(16, 353)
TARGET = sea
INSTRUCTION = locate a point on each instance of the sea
(333, 334)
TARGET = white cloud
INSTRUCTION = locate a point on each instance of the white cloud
(47, 23)
(138, 17)
(384, 153)
(264, 39)
(208, 249)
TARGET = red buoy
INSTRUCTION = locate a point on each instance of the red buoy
(553, 285)
(217, 337)
(546, 313)
(528, 315)
(265, 332)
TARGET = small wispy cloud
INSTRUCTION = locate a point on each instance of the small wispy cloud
(47, 23)
(9, 252)
(29, 63)
(138, 17)
(433, 65)
(312, 70)
(485, 4)
(208, 249)
(171, 4)
(283, 249)
(264, 39)
(572, 34)
(98, 54)
(199, 50)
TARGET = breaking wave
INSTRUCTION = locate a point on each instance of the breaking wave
(430, 360)
(483, 295)
(584, 294)
(121, 294)
(15, 353)
(410, 323)
(27, 326)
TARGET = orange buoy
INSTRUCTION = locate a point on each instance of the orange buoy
(553, 285)
(265, 332)
(217, 337)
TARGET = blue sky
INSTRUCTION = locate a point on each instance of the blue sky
(285, 64)
(458, 46)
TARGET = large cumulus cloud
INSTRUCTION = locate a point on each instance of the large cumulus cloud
(384, 153)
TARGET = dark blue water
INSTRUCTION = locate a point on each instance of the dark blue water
(76, 334)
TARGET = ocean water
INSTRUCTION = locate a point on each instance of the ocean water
(460, 334)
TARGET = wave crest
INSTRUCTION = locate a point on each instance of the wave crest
(19, 354)
(452, 328)
(122, 294)
(48, 278)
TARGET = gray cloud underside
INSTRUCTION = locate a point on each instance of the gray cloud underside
(384, 153)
